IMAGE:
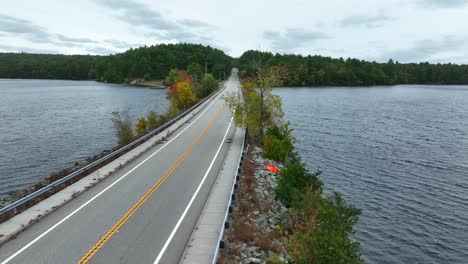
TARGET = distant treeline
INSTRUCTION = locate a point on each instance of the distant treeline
(325, 71)
(152, 62)
(155, 62)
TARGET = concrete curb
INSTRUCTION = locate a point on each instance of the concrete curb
(10, 228)
(205, 239)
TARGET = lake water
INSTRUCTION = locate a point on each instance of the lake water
(401, 154)
(49, 125)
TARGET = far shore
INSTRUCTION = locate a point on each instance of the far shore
(156, 84)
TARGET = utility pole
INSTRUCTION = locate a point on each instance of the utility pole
(206, 69)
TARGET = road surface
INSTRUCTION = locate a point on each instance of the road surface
(145, 212)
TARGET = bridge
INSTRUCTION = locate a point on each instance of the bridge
(147, 210)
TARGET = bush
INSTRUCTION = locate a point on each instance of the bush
(123, 128)
(278, 143)
(153, 120)
(295, 179)
(141, 126)
(323, 236)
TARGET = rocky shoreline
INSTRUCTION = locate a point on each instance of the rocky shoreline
(260, 219)
(10, 197)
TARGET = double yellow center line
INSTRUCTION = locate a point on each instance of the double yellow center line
(145, 197)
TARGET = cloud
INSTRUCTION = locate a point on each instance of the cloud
(63, 38)
(427, 49)
(292, 38)
(139, 14)
(99, 50)
(17, 27)
(366, 20)
(8, 48)
(443, 3)
(120, 44)
(195, 24)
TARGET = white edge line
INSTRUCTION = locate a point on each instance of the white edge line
(103, 191)
(226, 214)
(176, 227)
(221, 232)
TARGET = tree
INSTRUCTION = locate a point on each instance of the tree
(196, 70)
(172, 78)
(181, 95)
(261, 108)
(211, 85)
(123, 127)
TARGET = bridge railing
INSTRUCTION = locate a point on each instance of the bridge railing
(232, 197)
(12, 207)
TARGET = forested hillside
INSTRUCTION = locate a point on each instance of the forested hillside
(325, 71)
(155, 62)
(152, 62)
(47, 66)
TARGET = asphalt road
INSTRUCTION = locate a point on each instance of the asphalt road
(144, 213)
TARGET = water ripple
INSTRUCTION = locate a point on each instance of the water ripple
(50, 125)
(400, 154)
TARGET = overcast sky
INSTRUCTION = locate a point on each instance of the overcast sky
(405, 30)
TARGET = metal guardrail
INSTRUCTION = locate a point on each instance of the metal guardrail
(221, 242)
(14, 205)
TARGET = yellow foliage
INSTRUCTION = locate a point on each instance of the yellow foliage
(142, 126)
(182, 95)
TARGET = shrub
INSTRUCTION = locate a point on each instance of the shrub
(141, 127)
(278, 143)
(123, 127)
(295, 179)
(321, 235)
(153, 120)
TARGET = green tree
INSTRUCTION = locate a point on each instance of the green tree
(172, 78)
(211, 85)
(261, 108)
(196, 70)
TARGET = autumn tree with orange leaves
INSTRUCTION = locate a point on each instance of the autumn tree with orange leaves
(180, 93)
